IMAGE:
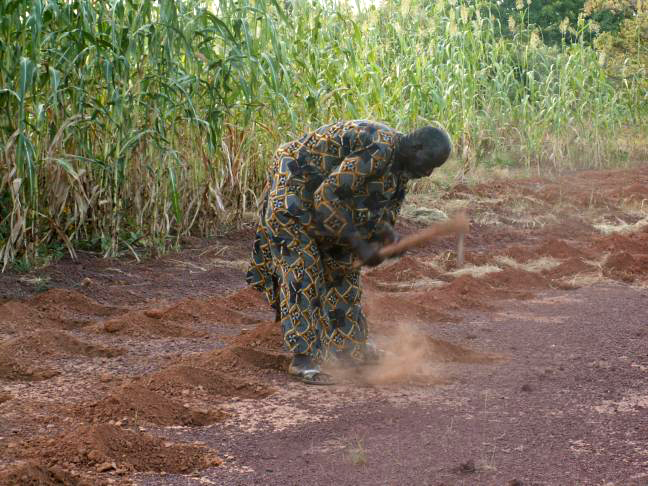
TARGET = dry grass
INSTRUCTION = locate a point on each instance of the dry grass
(474, 271)
(621, 227)
(538, 265)
(426, 283)
(356, 453)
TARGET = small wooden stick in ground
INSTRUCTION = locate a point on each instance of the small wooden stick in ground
(460, 249)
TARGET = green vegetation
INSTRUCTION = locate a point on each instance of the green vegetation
(548, 17)
(127, 124)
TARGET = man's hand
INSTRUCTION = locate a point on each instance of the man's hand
(387, 235)
(368, 254)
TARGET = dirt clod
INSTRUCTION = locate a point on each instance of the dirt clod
(33, 473)
(467, 467)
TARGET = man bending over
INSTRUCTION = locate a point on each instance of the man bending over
(333, 196)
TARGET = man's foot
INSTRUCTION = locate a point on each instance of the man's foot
(304, 368)
(372, 354)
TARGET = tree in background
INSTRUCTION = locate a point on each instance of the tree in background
(623, 42)
(549, 17)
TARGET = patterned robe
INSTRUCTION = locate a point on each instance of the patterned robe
(325, 192)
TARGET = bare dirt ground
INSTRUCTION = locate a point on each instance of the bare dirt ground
(526, 367)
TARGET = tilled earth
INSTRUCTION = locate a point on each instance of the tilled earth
(527, 366)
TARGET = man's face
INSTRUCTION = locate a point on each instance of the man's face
(421, 165)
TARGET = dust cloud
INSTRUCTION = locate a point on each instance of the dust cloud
(407, 357)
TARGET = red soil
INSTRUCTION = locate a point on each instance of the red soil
(632, 243)
(245, 299)
(109, 447)
(637, 192)
(213, 309)
(254, 359)
(33, 473)
(445, 352)
(242, 360)
(267, 335)
(54, 343)
(406, 269)
(137, 403)
(562, 250)
(521, 254)
(12, 369)
(469, 292)
(570, 267)
(71, 301)
(553, 248)
(179, 380)
(513, 279)
(19, 316)
(137, 323)
(383, 310)
(626, 267)
(5, 397)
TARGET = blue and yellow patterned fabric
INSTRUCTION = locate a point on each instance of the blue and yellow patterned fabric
(325, 192)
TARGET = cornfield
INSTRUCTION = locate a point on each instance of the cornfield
(127, 124)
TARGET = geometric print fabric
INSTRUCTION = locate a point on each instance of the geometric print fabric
(325, 192)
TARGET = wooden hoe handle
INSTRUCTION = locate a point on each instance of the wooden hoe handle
(457, 225)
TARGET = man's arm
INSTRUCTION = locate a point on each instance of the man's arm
(332, 203)
(394, 205)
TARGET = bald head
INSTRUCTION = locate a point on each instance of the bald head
(420, 152)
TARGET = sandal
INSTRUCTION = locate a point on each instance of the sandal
(304, 368)
(316, 377)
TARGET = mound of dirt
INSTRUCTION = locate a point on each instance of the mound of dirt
(512, 279)
(175, 380)
(37, 474)
(616, 242)
(477, 259)
(385, 309)
(5, 397)
(18, 316)
(521, 253)
(561, 250)
(108, 447)
(626, 267)
(570, 267)
(406, 269)
(137, 323)
(22, 369)
(468, 292)
(267, 335)
(54, 343)
(214, 309)
(54, 309)
(138, 403)
(243, 360)
(74, 302)
(246, 299)
(637, 192)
